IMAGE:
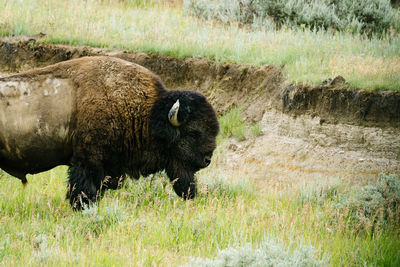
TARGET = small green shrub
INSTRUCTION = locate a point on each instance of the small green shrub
(233, 125)
(373, 16)
(358, 16)
(42, 252)
(270, 253)
(97, 220)
(255, 130)
(374, 205)
(150, 189)
(317, 193)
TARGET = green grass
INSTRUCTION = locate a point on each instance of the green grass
(233, 125)
(146, 224)
(308, 56)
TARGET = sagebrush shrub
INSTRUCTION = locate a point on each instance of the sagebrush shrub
(270, 253)
(318, 192)
(42, 252)
(374, 205)
(365, 16)
(97, 220)
(358, 16)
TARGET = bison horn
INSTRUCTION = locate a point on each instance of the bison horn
(173, 114)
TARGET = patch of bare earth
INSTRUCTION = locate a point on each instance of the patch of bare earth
(309, 133)
(293, 151)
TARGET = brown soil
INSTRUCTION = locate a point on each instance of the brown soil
(300, 150)
(308, 132)
(253, 89)
(333, 102)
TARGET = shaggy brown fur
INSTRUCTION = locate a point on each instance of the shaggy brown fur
(115, 118)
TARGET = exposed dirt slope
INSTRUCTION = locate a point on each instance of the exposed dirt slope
(333, 102)
(254, 89)
(300, 150)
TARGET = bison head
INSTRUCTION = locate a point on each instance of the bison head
(184, 127)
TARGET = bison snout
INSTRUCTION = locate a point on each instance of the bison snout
(207, 160)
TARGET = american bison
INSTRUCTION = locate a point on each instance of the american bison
(103, 117)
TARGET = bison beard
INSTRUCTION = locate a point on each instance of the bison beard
(105, 118)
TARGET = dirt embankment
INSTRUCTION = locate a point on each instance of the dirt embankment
(322, 131)
(254, 89)
(334, 102)
(225, 85)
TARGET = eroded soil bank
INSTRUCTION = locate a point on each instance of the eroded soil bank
(327, 130)
(254, 89)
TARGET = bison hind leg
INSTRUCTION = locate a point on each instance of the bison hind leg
(84, 184)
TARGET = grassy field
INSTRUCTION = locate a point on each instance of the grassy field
(308, 56)
(234, 218)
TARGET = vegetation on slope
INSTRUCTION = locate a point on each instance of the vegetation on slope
(356, 16)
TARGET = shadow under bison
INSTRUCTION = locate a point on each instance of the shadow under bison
(105, 118)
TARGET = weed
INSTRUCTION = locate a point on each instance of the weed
(115, 212)
(233, 125)
(255, 130)
(270, 253)
(4, 248)
(98, 221)
(5, 29)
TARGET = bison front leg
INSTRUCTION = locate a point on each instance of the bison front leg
(84, 183)
(185, 189)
